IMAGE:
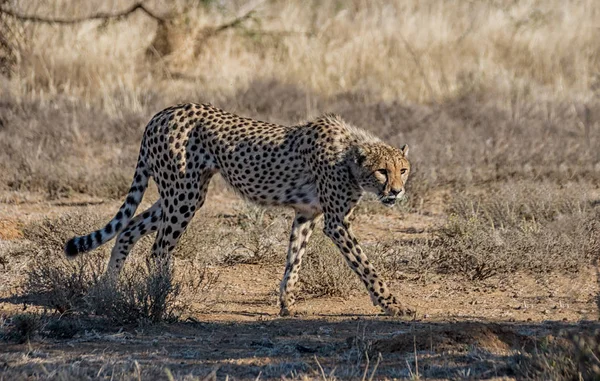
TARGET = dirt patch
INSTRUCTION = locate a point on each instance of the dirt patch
(489, 336)
(11, 230)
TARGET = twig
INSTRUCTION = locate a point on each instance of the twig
(233, 23)
(94, 16)
(320, 368)
(375, 367)
(416, 357)
(208, 33)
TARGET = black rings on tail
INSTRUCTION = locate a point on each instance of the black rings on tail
(78, 245)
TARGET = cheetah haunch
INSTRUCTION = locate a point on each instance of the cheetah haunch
(321, 168)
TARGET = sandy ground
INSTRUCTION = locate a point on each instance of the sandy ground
(462, 329)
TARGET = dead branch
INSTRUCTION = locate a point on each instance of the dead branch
(211, 32)
(233, 23)
(95, 16)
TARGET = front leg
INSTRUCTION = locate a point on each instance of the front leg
(339, 231)
(302, 228)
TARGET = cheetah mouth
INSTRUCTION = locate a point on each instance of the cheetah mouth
(388, 200)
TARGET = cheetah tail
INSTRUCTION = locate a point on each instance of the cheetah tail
(78, 245)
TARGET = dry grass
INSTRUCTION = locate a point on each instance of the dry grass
(483, 92)
(532, 227)
(411, 51)
(570, 356)
(144, 293)
(324, 271)
(499, 102)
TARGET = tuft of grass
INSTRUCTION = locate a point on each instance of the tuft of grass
(61, 328)
(570, 356)
(324, 271)
(536, 229)
(22, 327)
(259, 236)
(144, 292)
(50, 278)
(56, 283)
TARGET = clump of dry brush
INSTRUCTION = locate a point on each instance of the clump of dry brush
(145, 292)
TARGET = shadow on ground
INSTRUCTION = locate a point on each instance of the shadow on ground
(273, 347)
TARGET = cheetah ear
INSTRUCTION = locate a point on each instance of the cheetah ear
(404, 150)
(357, 155)
(360, 156)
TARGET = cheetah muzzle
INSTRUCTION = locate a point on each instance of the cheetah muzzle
(320, 169)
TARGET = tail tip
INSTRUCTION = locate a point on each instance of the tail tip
(71, 248)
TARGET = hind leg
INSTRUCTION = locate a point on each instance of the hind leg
(178, 210)
(302, 228)
(143, 224)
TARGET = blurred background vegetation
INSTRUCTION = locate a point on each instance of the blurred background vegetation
(483, 91)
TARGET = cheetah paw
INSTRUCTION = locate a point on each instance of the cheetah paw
(399, 310)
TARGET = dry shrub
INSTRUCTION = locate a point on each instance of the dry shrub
(491, 92)
(54, 282)
(50, 278)
(324, 271)
(61, 328)
(262, 237)
(206, 240)
(253, 235)
(401, 259)
(570, 356)
(143, 293)
(533, 228)
(21, 328)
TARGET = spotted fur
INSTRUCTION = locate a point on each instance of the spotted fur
(320, 169)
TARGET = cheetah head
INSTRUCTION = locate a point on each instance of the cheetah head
(382, 170)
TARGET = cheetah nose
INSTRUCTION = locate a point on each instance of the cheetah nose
(396, 192)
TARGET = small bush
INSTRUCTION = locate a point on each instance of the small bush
(324, 271)
(261, 239)
(147, 292)
(143, 293)
(55, 282)
(529, 229)
(567, 357)
(22, 328)
(50, 278)
(61, 328)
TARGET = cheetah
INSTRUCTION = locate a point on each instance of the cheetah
(320, 169)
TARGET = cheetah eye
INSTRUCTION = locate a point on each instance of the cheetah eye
(382, 171)
(403, 171)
